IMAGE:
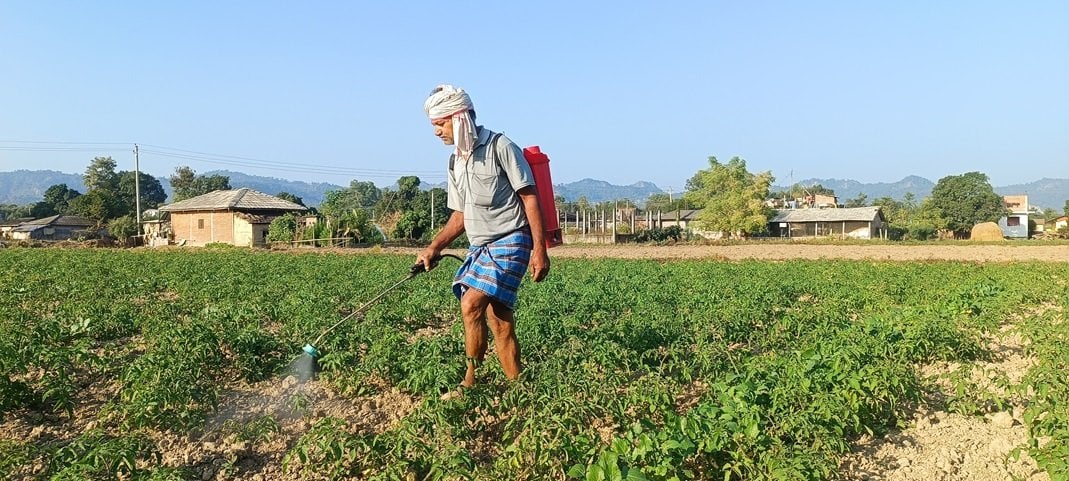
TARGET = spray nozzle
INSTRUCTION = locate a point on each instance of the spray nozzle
(311, 351)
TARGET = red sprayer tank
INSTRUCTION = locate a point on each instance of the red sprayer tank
(544, 182)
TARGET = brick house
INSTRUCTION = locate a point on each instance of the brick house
(239, 217)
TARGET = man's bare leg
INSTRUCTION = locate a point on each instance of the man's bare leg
(502, 323)
(473, 308)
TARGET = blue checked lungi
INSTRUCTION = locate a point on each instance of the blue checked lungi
(496, 268)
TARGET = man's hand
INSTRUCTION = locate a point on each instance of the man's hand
(429, 258)
(539, 265)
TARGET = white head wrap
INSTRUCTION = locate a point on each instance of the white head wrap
(449, 101)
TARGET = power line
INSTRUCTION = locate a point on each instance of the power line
(210, 156)
(216, 159)
(294, 168)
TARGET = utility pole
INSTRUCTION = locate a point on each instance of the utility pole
(137, 188)
(432, 209)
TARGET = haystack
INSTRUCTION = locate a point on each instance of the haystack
(986, 231)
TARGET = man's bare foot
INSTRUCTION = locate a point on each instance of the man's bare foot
(469, 378)
(454, 393)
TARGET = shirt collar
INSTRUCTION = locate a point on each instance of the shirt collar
(482, 136)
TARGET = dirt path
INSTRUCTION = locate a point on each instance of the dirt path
(757, 250)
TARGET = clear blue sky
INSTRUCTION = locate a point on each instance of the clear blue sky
(618, 91)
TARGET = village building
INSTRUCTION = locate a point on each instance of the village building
(1058, 223)
(1015, 224)
(57, 227)
(853, 223)
(239, 217)
(8, 225)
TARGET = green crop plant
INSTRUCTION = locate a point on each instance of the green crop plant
(173, 385)
(257, 430)
(95, 455)
(635, 369)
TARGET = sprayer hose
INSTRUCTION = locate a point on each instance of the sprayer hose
(367, 304)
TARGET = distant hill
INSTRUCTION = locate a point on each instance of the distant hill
(1043, 193)
(311, 193)
(601, 191)
(850, 189)
(27, 186)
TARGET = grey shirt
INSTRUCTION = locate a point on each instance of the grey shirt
(484, 189)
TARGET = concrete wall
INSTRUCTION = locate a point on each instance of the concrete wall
(1019, 231)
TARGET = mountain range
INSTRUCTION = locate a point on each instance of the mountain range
(1043, 193)
(28, 186)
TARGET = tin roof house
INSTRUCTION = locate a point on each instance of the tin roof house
(239, 217)
(853, 223)
(56, 227)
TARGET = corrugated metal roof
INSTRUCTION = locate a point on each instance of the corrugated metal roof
(862, 214)
(237, 199)
(684, 214)
(62, 220)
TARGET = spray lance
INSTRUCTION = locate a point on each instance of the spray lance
(314, 353)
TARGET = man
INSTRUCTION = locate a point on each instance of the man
(491, 191)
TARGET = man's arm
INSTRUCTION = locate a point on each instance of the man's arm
(449, 233)
(539, 265)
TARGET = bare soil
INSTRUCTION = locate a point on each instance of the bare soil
(946, 446)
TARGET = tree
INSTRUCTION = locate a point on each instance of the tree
(283, 228)
(659, 201)
(122, 227)
(152, 193)
(98, 205)
(365, 193)
(797, 190)
(59, 197)
(925, 222)
(101, 175)
(347, 211)
(731, 198)
(582, 203)
(187, 184)
(966, 200)
(859, 201)
(42, 209)
(1066, 208)
(290, 197)
(15, 211)
(210, 183)
(182, 182)
(56, 201)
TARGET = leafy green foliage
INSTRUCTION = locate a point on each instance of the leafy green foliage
(173, 385)
(634, 369)
(122, 227)
(731, 198)
(187, 184)
(283, 229)
(966, 200)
